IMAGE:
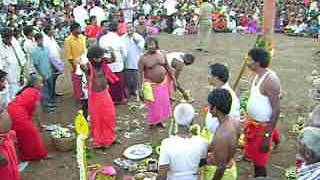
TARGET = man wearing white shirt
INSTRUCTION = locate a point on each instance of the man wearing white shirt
(28, 44)
(54, 54)
(127, 7)
(12, 59)
(170, 6)
(135, 47)
(181, 153)
(218, 77)
(8, 2)
(98, 12)
(146, 8)
(112, 41)
(80, 15)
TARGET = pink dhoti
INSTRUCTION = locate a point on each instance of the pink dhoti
(159, 109)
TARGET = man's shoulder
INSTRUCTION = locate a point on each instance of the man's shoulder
(69, 37)
(167, 141)
(200, 140)
(272, 79)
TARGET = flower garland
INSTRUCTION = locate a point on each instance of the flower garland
(82, 130)
(81, 156)
(263, 43)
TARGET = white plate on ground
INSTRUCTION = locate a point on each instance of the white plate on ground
(138, 151)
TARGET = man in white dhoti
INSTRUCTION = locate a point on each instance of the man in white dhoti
(98, 12)
(80, 15)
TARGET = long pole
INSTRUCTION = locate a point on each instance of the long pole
(269, 13)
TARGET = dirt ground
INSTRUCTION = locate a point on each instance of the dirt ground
(293, 63)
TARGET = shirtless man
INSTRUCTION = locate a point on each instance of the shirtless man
(153, 82)
(224, 146)
(101, 108)
(263, 111)
(177, 61)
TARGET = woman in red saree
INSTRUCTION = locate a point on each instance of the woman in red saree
(8, 157)
(21, 110)
(100, 105)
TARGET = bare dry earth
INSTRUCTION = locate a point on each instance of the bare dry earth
(293, 63)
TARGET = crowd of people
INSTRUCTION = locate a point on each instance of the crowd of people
(296, 18)
(114, 59)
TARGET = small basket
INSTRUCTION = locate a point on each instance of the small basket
(64, 144)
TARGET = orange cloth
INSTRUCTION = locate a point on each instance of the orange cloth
(102, 111)
(254, 137)
(92, 31)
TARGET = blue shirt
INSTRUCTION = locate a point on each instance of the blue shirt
(41, 61)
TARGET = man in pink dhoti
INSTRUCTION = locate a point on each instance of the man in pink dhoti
(154, 72)
(8, 157)
(100, 105)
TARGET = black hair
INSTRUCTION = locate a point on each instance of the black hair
(220, 71)
(113, 26)
(38, 36)
(47, 28)
(92, 18)
(79, 3)
(103, 22)
(97, 3)
(154, 40)
(261, 56)
(28, 30)
(221, 99)
(74, 26)
(95, 52)
(188, 59)
(6, 33)
(30, 83)
(3, 74)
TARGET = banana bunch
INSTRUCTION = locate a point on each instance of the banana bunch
(195, 129)
(241, 141)
(298, 126)
(291, 173)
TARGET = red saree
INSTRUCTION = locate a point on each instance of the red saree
(7, 148)
(21, 109)
(102, 111)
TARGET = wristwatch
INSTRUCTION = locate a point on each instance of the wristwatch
(266, 135)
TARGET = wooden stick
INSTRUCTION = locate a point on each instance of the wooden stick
(269, 11)
(243, 68)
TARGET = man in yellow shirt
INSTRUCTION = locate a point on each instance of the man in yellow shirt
(75, 47)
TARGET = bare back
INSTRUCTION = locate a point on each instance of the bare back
(153, 66)
(225, 143)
